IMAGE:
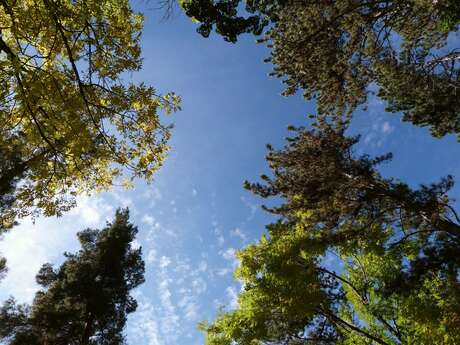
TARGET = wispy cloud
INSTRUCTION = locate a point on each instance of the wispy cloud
(189, 305)
(202, 266)
(147, 219)
(169, 319)
(191, 311)
(164, 262)
(143, 326)
(152, 195)
(387, 128)
(151, 256)
(90, 211)
(199, 286)
(223, 271)
(232, 296)
(230, 255)
(251, 206)
(219, 235)
(237, 232)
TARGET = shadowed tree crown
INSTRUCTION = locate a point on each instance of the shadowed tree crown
(337, 51)
(84, 301)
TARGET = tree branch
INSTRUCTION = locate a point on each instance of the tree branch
(337, 320)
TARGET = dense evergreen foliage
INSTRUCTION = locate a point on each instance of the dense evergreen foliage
(12, 169)
(85, 301)
(335, 50)
(355, 258)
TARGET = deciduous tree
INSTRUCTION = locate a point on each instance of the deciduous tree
(66, 103)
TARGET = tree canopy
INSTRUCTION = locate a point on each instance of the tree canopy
(335, 51)
(12, 170)
(84, 301)
(66, 105)
(354, 258)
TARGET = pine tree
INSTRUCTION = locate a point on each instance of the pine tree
(85, 301)
(12, 169)
(334, 51)
(354, 258)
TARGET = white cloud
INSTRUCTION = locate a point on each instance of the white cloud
(164, 262)
(185, 299)
(165, 295)
(149, 220)
(189, 306)
(223, 271)
(202, 266)
(387, 128)
(169, 320)
(182, 266)
(218, 233)
(218, 304)
(121, 199)
(229, 254)
(153, 232)
(183, 290)
(237, 232)
(135, 244)
(152, 194)
(191, 311)
(194, 192)
(232, 297)
(91, 211)
(142, 325)
(151, 256)
(199, 286)
(374, 139)
(251, 206)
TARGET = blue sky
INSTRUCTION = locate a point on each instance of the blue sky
(196, 213)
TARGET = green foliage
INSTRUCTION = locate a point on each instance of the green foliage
(3, 268)
(76, 124)
(12, 169)
(222, 15)
(86, 299)
(354, 258)
(335, 50)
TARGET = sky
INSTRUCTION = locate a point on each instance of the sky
(196, 214)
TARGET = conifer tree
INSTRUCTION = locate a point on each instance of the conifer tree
(11, 171)
(84, 301)
(355, 258)
(333, 51)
